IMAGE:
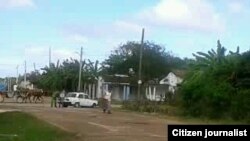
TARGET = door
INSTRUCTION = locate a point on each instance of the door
(72, 97)
(82, 100)
(88, 101)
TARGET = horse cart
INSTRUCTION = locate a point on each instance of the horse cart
(3, 92)
(22, 95)
(29, 95)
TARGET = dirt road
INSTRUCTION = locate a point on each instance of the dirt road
(90, 124)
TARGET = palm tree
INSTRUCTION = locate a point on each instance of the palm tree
(93, 69)
(211, 58)
(52, 77)
(92, 74)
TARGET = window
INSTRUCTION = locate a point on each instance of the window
(86, 96)
(80, 96)
(71, 95)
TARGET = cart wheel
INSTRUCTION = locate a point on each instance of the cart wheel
(1, 98)
(19, 99)
(10, 94)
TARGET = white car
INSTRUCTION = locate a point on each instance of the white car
(78, 99)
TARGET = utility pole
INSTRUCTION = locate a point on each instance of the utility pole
(17, 75)
(25, 67)
(49, 57)
(8, 84)
(140, 65)
(34, 64)
(80, 72)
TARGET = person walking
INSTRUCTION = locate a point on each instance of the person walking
(107, 102)
(104, 103)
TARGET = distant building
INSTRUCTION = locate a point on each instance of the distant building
(119, 83)
(156, 90)
(26, 84)
(122, 89)
(172, 80)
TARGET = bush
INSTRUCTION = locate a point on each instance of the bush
(203, 96)
(149, 107)
(240, 108)
(210, 97)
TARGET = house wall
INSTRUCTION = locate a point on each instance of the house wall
(123, 92)
(133, 93)
(119, 92)
(171, 79)
(156, 92)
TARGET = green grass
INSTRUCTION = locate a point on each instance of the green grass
(29, 128)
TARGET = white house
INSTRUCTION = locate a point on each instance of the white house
(121, 88)
(157, 91)
(172, 81)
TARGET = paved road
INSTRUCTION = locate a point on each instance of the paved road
(90, 124)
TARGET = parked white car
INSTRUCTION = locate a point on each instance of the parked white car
(78, 99)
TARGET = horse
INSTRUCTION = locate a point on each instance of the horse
(35, 95)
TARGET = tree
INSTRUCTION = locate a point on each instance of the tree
(65, 75)
(70, 73)
(52, 79)
(93, 70)
(211, 58)
(156, 62)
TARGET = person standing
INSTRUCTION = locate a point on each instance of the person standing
(61, 98)
(54, 97)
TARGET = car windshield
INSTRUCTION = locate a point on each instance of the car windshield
(71, 95)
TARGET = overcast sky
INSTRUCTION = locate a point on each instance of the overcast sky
(29, 27)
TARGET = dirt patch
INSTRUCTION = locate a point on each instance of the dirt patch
(8, 110)
(136, 122)
(91, 124)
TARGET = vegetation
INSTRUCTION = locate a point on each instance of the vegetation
(151, 107)
(65, 75)
(156, 62)
(125, 57)
(17, 126)
(216, 85)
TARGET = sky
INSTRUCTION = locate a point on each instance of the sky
(28, 28)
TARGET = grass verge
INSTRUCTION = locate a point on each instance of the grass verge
(18, 126)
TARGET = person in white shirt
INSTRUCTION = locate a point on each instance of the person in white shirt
(107, 102)
(61, 98)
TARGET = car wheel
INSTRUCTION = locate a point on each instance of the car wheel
(65, 105)
(94, 105)
(77, 105)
